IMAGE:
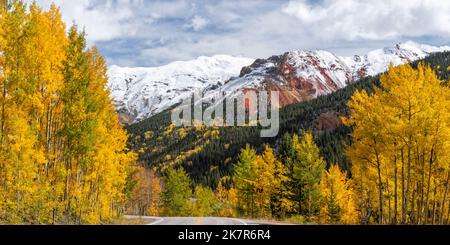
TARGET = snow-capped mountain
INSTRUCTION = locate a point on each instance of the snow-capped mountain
(298, 75)
(139, 93)
(377, 61)
(303, 75)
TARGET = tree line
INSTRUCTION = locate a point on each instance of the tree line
(398, 173)
(214, 158)
(293, 185)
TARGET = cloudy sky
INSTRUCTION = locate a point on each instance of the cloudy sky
(156, 32)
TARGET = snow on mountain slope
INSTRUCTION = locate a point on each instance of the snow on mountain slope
(139, 93)
(302, 75)
(378, 61)
(298, 75)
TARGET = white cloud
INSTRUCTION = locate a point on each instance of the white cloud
(375, 20)
(106, 20)
(102, 21)
(154, 32)
(197, 23)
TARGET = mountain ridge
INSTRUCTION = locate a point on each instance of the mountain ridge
(298, 75)
(209, 153)
(139, 93)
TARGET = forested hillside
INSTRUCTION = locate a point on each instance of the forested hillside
(372, 153)
(208, 154)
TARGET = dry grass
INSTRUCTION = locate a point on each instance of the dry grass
(134, 221)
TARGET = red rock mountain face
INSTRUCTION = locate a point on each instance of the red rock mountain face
(298, 75)
(303, 75)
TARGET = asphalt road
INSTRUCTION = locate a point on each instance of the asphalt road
(197, 221)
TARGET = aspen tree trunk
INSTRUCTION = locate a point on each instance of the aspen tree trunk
(408, 164)
(403, 189)
(67, 187)
(412, 218)
(2, 133)
(417, 218)
(380, 187)
(364, 217)
(433, 218)
(380, 194)
(395, 190)
(389, 202)
(420, 212)
(300, 191)
(77, 186)
(448, 214)
(309, 202)
(428, 187)
(408, 179)
(441, 219)
(17, 182)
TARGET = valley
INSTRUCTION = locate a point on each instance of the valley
(207, 158)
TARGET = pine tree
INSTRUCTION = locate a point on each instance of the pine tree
(282, 202)
(176, 193)
(287, 151)
(308, 167)
(244, 181)
(333, 209)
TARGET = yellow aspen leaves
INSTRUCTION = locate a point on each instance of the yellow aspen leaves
(63, 156)
(399, 154)
(338, 200)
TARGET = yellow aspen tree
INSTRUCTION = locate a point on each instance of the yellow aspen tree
(3, 81)
(400, 141)
(21, 157)
(227, 201)
(13, 27)
(368, 148)
(338, 200)
(44, 56)
(105, 176)
(265, 181)
(145, 196)
(63, 156)
(19, 170)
